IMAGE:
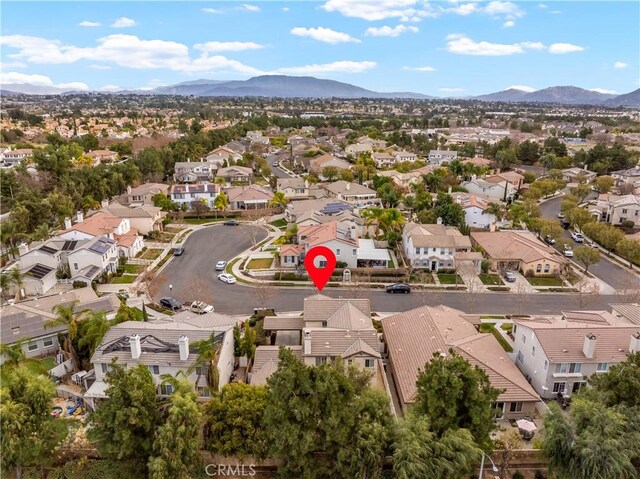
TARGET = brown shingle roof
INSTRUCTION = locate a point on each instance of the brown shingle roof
(436, 236)
(322, 308)
(515, 245)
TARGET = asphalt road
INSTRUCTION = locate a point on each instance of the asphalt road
(193, 276)
(276, 171)
(608, 271)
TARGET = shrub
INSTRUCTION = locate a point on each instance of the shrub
(484, 266)
(79, 284)
(120, 270)
(341, 264)
(627, 224)
(539, 475)
(517, 475)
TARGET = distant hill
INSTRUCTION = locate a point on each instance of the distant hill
(280, 86)
(565, 95)
(631, 99)
(32, 89)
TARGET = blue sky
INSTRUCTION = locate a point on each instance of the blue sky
(443, 48)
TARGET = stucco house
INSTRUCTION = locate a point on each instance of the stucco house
(433, 247)
(354, 193)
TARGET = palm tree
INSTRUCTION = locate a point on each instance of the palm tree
(208, 353)
(68, 317)
(433, 181)
(392, 220)
(495, 209)
(13, 354)
(17, 278)
(5, 284)
(41, 233)
(373, 216)
(10, 237)
(278, 199)
(220, 203)
(95, 328)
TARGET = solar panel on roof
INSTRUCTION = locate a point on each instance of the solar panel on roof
(48, 249)
(92, 271)
(39, 271)
(69, 245)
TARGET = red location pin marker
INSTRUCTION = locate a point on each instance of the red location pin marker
(320, 274)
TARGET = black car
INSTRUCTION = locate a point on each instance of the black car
(171, 303)
(231, 223)
(399, 288)
(549, 240)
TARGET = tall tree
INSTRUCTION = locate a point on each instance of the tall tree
(454, 394)
(124, 424)
(176, 446)
(587, 256)
(67, 316)
(208, 354)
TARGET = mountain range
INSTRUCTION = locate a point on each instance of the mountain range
(283, 86)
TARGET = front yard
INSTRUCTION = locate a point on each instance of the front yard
(447, 278)
(134, 268)
(490, 279)
(151, 254)
(260, 263)
(124, 279)
(545, 281)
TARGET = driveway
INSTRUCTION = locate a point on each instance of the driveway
(277, 171)
(193, 275)
(613, 274)
(520, 285)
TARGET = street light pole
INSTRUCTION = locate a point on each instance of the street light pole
(495, 469)
(170, 289)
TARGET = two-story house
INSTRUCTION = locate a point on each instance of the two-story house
(383, 159)
(144, 217)
(516, 180)
(353, 193)
(188, 194)
(95, 258)
(475, 209)
(614, 209)
(503, 190)
(293, 188)
(102, 156)
(439, 157)
(433, 247)
(413, 337)
(630, 176)
(558, 354)
(14, 157)
(236, 174)
(194, 171)
(142, 194)
(577, 175)
(248, 197)
(339, 238)
(167, 346)
(226, 153)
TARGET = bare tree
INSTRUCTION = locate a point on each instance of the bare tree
(588, 292)
(507, 447)
(263, 291)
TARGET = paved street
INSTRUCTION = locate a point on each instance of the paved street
(193, 276)
(608, 271)
(277, 172)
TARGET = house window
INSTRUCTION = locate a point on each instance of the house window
(602, 367)
(533, 350)
(515, 407)
(547, 267)
(520, 358)
(349, 362)
(75, 266)
(204, 392)
(538, 268)
(546, 364)
(442, 251)
(524, 339)
(201, 370)
(322, 263)
(47, 342)
(624, 210)
(575, 367)
(166, 389)
(559, 387)
(417, 250)
(337, 251)
(154, 369)
(369, 363)
(32, 346)
(354, 252)
(321, 360)
(105, 368)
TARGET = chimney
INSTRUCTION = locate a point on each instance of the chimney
(136, 349)
(67, 223)
(474, 177)
(128, 189)
(353, 231)
(449, 190)
(634, 344)
(348, 186)
(79, 216)
(23, 248)
(183, 346)
(492, 226)
(104, 203)
(307, 341)
(306, 183)
(589, 347)
(439, 221)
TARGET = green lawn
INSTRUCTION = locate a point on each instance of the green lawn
(134, 268)
(545, 281)
(124, 279)
(490, 279)
(138, 314)
(490, 328)
(47, 363)
(151, 254)
(281, 223)
(260, 263)
(508, 327)
(446, 278)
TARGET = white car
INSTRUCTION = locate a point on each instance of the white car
(577, 237)
(568, 252)
(227, 278)
(560, 215)
(221, 265)
(200, 307)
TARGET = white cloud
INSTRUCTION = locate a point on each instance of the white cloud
(325, 35)
(100, 67)
(507, 9)
(420, 69)
(542, 5)
(123, 22)
(562, 48)
(463, 9)
(109, 88)
(249, 8)
(451, 90)
(386, 31)
(509, 24)
(40, 80)
(603, 90)
(9, 65)
(528, 89)
(286, 9)
(227, 46)
(335, 67)
(87, 23)
(374, 10)
(555, 12)
(211, 11)
(620, 65)
(463, 45)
